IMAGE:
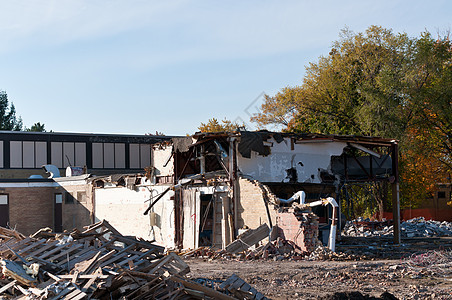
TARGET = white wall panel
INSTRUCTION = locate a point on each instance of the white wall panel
(80, 154)
(57, 154)
(15, 154)
(40, 154)
(28, 154)
(98, 155)
(109, 155)
(68, 154)
(120, 156)
(134, 156)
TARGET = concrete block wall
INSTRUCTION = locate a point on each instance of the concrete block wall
(252, 211)
(77, 214)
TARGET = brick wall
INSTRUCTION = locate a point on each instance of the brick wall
(31, 208)
(300, 228)
(252, 211)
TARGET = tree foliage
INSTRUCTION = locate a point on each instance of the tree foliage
(8, 119)
(36, 127)
(379, 83)
(225, 126)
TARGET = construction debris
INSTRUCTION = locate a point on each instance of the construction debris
(242, 290)
(98, 263)
(248, 238)
(417, 227)
(8, 234)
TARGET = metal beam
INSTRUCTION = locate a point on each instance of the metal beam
(395, 194)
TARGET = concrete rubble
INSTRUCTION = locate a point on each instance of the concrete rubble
(100, 263)
(417, 227)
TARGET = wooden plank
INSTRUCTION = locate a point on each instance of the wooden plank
(111, 228)
(93, 227)
(7, 286)
(246, 287)
(162, 262)
(228, 281)
(85, 266)
(55, 250)
(73, 294)
(86, 287)
(236, 285)
(75, 256)
(42, 249)
(143, 244)
(84, 276)
(13, 245)
(46, 262)
(112, 260)
(36, 244)
(129, 259)
(63, 293)
(248, 239)
(79, 296)
(83, 257)
(62, 253)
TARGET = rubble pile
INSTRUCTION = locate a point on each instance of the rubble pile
(417, 227)
(100, 263)
(431, 263)
(324, 253)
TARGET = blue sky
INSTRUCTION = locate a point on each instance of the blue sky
(139, 66)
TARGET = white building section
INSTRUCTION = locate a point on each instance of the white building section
(124, 209)
(307, 158)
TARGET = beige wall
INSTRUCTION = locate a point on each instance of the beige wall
(21, 173)
(251, 210)
(77, 206)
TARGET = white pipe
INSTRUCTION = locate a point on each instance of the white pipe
(301, 195)
(332, 238)
(333, 229)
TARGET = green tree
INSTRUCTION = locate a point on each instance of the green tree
(432, 81)
(378, 83)
(356, 89)
(37, 127)
(225, 126)
(8, 119)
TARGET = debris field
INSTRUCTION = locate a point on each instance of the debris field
(100, 263)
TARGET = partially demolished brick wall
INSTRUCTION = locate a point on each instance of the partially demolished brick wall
(254, 196)
(302, 228)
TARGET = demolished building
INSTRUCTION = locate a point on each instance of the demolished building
(205, 189)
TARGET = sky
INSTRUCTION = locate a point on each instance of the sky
(141, 66)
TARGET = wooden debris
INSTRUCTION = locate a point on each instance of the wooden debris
(97, 263)
(14, 270)
(242, 290)
(248, 239)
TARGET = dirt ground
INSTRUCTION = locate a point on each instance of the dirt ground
(303, 279)
(316, 279)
